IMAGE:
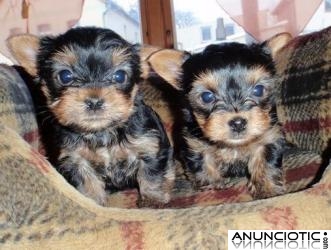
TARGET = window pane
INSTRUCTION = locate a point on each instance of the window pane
(327, 5)
(122, 16)
(321, 18)
(201, 22)
(261, 19)
(206, 34)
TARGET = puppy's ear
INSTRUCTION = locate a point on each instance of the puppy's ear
(145, 52)
(24, 49)
(277, 42)
(167, 63)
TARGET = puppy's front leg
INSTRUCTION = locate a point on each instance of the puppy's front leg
(79, 173)
(155, 179)
(203, 172)
(266, 176)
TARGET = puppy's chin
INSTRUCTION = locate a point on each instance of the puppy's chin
(87, 122)
(232, 141)
(224, 136)
(93, 124)
(237, 141)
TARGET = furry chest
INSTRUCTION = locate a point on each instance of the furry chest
(109, 161)
(118, 163)
(215, 155)
(227, 161)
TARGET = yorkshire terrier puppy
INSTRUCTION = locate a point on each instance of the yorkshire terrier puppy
(108, 139)
(230, 127)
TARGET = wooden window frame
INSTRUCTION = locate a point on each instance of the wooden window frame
(157, 23)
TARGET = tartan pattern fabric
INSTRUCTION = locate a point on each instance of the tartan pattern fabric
(16, 106)
(39, 209)
(304, 103)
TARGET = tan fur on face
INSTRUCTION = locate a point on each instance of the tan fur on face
(256, 74)
(66, 56)
(119, 56)
(70, 108)
(210, 80)
(216, 127)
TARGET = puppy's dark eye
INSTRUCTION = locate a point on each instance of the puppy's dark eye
(119, 76)
(258, 90)
(65, 77)
(208, 97)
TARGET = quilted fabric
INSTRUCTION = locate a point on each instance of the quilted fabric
(39, 209)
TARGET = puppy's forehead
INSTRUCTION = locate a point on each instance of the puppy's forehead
(66, 55)
(214, 79)
(74, 54)
(234, 59)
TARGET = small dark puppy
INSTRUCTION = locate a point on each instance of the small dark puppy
(108, 139)
(230, 126)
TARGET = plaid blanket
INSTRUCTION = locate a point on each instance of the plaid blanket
(304, 92)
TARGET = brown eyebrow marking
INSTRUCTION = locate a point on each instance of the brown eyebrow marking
(66, 56)
(119, 56)
(255, 74)
(209, 80)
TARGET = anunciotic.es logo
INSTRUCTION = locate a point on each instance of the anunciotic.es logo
(278, 239)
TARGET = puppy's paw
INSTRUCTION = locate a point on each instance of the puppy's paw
(96, 192)
(265, 190)
(150, 203)
(207, 185)
(154, 195)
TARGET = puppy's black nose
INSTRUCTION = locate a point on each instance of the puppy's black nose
(238, 124)
(94, 103)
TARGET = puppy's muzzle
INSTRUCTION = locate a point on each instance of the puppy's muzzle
(238, 124)
(94, 103)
